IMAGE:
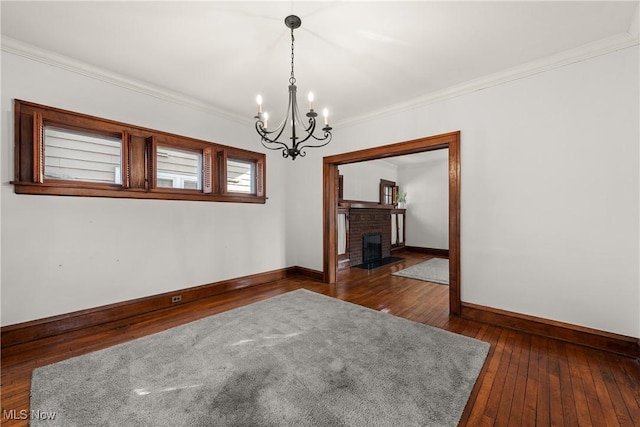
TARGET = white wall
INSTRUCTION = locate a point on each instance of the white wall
(61, 254)
(427, 187)
(549, 197)
(362, 180)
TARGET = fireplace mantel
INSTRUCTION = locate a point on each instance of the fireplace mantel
(361, 204)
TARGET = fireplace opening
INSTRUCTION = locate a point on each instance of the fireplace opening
(371, 247)
(372, 252)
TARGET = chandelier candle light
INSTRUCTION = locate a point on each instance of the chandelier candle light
(270, 138)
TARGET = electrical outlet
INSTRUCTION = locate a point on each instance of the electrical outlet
(176, 298)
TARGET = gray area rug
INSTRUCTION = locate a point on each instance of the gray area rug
(297, 359)
(435, 270)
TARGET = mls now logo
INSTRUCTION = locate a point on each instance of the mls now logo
(23, 414)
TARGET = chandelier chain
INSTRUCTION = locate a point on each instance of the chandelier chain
(292, 80)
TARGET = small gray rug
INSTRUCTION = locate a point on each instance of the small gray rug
(435, 270)
(297, 359)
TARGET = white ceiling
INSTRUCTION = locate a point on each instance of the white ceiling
(358, 58)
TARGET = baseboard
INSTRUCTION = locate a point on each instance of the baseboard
(29, 331)
(309, 273)
(429, 251)
(601, 340)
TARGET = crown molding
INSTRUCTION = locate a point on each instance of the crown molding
(17, 47)
(581, 53)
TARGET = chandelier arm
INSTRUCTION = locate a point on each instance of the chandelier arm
(327, 134)
(279, 130)
(295, 119)
(309, 131)
(301, 149)
(264, 138)
(312, 125)
(327, 137)
(273, 148)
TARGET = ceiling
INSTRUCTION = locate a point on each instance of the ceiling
(359, 58)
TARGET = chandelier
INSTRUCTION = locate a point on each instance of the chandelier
(301, 132)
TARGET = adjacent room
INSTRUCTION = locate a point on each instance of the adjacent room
(320, 213)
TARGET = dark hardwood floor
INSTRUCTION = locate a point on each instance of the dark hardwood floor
(526, 380)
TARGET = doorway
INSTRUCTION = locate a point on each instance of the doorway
(330, 201)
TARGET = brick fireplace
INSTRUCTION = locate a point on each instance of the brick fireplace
(368, 221)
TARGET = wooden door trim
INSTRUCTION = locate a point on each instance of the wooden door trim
(330, 201)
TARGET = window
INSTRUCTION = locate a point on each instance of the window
(73, 155)
(178, 168)
(60, 152)
(388, 192)
(241, 176)
(244, 173)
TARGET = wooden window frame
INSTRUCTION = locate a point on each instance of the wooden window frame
(39, 150)
(384, 184)
(243, 156)
(138, 157)
(179, 143)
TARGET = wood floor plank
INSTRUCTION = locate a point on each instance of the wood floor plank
(526, 380)
(556, 401)
(609, 383)
(543, 402)
(580, 396)
(532, 385)
(508, 391)
(627, 378)
(500, 376)
(519, 390)
(566, 386)
(595, 405)
(602, 392)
